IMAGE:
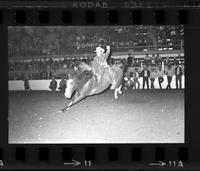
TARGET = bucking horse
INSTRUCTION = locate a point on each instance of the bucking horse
(82, 83)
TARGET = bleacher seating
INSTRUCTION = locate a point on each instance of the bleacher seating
(80, 41)
(77, 43)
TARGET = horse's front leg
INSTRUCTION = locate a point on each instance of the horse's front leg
(76, 100)
(67, 107)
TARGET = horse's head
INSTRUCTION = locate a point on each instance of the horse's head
(71, 86)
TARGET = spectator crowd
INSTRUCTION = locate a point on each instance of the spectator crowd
(79, 40)
(42, 68)
(150, 68)
(41, 43)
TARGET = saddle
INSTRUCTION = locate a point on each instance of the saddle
(87, 67)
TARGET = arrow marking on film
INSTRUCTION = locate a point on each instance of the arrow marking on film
(159, 164)
(74, 163)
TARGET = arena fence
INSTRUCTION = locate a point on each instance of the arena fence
(163, 52)
(15, 85)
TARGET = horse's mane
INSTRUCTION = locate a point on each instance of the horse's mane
(82, 77)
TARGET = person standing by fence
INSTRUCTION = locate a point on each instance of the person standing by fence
(169, 72)
(178, 74)
(160, 76)
(145, 74)
(26, 82)
(153, 76)
(53, 84)
(129, 60)
(136, 77)
(62, 84)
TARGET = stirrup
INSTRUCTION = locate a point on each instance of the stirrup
(96, 77)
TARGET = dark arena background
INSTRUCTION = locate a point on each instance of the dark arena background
(151, 113)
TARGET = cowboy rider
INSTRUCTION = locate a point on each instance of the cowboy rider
(99, 62)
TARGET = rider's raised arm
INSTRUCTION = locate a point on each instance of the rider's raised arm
(107, 51)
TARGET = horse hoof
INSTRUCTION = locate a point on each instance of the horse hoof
(116, 98)
(62, 110)
(112, 87)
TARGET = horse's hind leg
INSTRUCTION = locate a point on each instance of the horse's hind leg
(116, 93)
(120, 89)
(113, 85)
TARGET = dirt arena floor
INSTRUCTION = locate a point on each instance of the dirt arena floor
(139, 116)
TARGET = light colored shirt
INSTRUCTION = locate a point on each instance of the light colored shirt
(126, 78)
(178, 71)
(132, 78)
(182, 69)
(160, 73)
(153, 74)
(136, 75)
(170, 72)
(145, 73)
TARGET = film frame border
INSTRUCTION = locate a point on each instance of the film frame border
(178, 152)
(83, 17)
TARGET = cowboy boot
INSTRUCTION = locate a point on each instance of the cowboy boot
(96, 77)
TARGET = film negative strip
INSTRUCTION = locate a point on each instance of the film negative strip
(99, 85)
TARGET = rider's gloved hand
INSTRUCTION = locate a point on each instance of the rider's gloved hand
(107, 47)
